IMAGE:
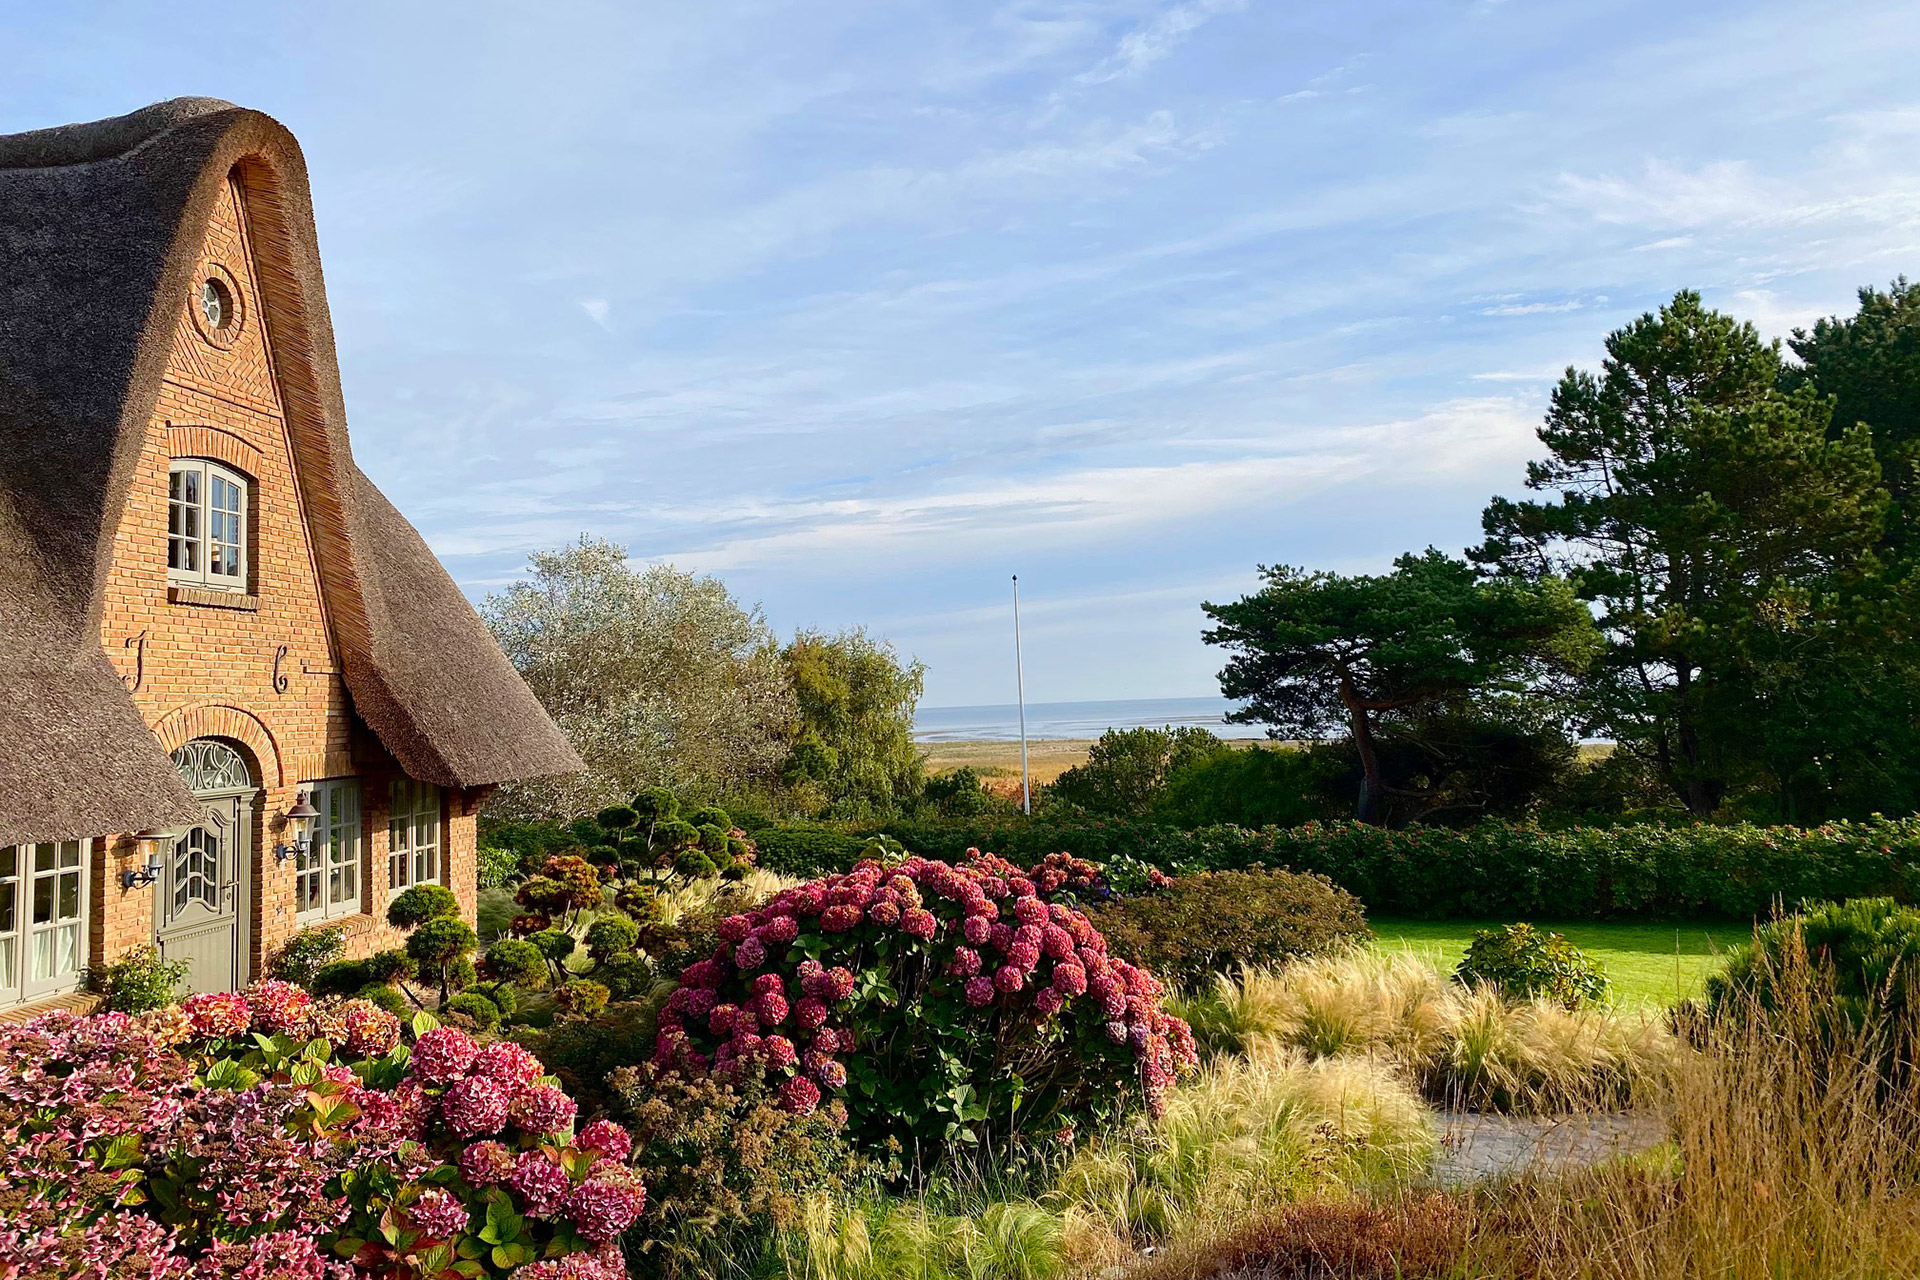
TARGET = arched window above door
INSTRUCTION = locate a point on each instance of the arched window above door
(209, 765)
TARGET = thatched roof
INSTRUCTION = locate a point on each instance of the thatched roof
(100, 231)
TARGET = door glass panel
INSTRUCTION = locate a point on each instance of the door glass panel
(69, 895)
(43, 901)
(43, 857)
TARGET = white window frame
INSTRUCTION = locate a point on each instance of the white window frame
(416, 836)
(191, 527)
(22, 935)
(329, 878)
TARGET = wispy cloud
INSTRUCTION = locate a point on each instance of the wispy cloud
(1146, 45)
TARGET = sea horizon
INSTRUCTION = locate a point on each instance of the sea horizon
(998, 722)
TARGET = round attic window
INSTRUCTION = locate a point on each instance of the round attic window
(216, 306)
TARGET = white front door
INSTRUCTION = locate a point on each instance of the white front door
(201, 893)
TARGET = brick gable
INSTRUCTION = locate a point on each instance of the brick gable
(262, 669)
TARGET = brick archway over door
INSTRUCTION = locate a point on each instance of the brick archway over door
(216, 720)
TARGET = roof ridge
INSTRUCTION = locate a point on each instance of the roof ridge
(95, 140)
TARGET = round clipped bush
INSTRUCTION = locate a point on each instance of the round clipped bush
(943, 1005)
(1867, 950)
(421, 903)
(1192, 927)
(516, 960)
(383, 996)
(475, 1008)
(627, 977)
(610, 936)
(1522, 963)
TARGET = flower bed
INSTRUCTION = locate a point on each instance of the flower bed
(943, 1005)
(264, 1134)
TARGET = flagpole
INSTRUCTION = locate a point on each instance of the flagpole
(1020, 678)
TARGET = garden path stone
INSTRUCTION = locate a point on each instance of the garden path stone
(1476, 1145)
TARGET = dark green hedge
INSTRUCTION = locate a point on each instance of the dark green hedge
(1504, 869)
(1494, 869)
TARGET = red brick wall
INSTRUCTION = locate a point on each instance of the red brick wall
(259, 670)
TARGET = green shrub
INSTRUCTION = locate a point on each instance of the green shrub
(138, 981)
(516, 960)
(1251, 786)
(1522, 963)
(1868, 951)
(582, 1052)
(302, 955)
(726, 1169)
(389, 998)
(1196, 926)
(580, 997)
(805, 849)
(610, 936)
(423, 902)
(439, 950)
(473, 1008)
(626, 977)
(497, 866)
(555, 944)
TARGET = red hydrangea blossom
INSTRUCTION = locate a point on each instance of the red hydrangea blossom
(990, 942)
(443, 1054)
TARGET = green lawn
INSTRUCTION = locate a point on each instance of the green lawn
(1649, 963)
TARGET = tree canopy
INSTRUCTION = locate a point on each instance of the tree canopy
(658, 677)
(852, 747)
(1726, 538)
(1315, 654)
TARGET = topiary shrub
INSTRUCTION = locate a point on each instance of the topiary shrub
(414, 906)
(439, 950)
(138, 981)
(610, 936)
(472, 1009)
(515, 961)
(945, 1005)
(1522, 963)
(1192, 927)
(387, 997)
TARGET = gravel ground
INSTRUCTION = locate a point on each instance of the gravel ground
(1474, 1146)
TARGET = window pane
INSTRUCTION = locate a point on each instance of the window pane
(9, 897)
(67, 949)
(70, 896)
(43, 955)
(70, 854)
(349, 885)
(43, 857)
(9, 861)
(43, 901)
(9, 961)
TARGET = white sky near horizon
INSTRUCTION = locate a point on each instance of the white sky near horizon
(866, 306)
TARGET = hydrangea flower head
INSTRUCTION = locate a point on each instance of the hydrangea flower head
(443, 1054)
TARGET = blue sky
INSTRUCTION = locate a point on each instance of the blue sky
(866, 306)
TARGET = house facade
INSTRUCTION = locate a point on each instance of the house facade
(238, 694)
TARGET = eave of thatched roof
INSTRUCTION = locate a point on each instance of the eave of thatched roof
(100, 230)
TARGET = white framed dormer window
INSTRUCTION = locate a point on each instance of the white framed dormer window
(43, 919)
(207, 511)
(413, 835)
(328, 880)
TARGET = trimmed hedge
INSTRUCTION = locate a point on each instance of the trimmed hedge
(1493, 869)
(1507, 869)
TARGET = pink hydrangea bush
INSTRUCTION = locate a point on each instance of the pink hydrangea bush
(257, 1133)
(955, 1001)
